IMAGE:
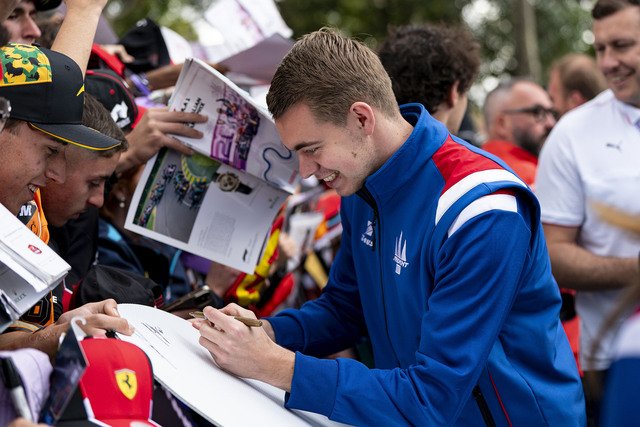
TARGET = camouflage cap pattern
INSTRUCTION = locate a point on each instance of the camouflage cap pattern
(46, 89)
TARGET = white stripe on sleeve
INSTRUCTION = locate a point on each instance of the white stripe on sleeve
(504, 202)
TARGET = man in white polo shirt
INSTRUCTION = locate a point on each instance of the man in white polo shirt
(590, 158)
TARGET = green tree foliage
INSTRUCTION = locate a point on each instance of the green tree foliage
(367, 20)
(562, 25)
(124, 14)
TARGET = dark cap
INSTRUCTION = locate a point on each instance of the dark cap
(46, 4)
(46, 89)
(146, 44)
(104, 282)
(112, 92)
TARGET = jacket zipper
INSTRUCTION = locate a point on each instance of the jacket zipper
(483, 407)
(368, 198)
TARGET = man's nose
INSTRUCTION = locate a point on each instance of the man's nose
(96, 197)
(30, 28)
(608, 60)
(307, 166)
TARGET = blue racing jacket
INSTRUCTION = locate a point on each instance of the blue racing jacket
(444, 264)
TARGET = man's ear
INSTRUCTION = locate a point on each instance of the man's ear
(500, 127)
(453, 95)
(575, 99)
(364, 115)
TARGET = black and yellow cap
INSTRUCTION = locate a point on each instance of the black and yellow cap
(46, 89)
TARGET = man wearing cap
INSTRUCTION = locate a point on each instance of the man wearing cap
(33, 145)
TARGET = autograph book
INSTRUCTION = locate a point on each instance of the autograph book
(186, 369)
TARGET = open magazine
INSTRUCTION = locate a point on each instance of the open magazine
(219, 203)
(28, 268)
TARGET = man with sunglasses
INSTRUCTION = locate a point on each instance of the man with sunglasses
(518, 115)
(591, 159)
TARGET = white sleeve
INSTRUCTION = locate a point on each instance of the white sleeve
(559, 186)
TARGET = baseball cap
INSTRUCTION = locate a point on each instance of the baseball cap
(46, 4)
(146, 44)
(115, 390)
(112, 92)
(46, 89)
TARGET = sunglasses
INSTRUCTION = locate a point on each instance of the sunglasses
(538, 112)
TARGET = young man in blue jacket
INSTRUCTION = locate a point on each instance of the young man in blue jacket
(442, 261)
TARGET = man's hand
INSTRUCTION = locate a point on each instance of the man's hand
(119, 51)
(100, 316)
(154, 132)
(245, 351)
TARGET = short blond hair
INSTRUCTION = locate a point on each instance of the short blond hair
(329, 72)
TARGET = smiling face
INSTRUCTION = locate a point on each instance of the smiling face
(341, 156)
(30, 159)
(87, 173)
(617, 46)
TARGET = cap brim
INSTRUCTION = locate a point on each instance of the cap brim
(79, 135)
(41, 5)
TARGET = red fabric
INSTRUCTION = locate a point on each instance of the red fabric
(111, 61)
(522, 162)
(455, 162)
(572, 329)
(279, 296)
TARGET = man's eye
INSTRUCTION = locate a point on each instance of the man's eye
(311, 150)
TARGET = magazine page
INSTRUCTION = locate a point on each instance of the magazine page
(187, 369)
(204, 207)
(239, 132)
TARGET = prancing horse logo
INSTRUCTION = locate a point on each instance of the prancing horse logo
(127, 382)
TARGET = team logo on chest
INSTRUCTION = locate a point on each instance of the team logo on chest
(400, 254)
(367, 236)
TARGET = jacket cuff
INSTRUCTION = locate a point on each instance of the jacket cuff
(314, 385)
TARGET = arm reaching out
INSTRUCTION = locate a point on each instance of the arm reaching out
(78, 30)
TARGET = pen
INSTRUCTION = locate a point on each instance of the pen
(13, 383)
(246, 320)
